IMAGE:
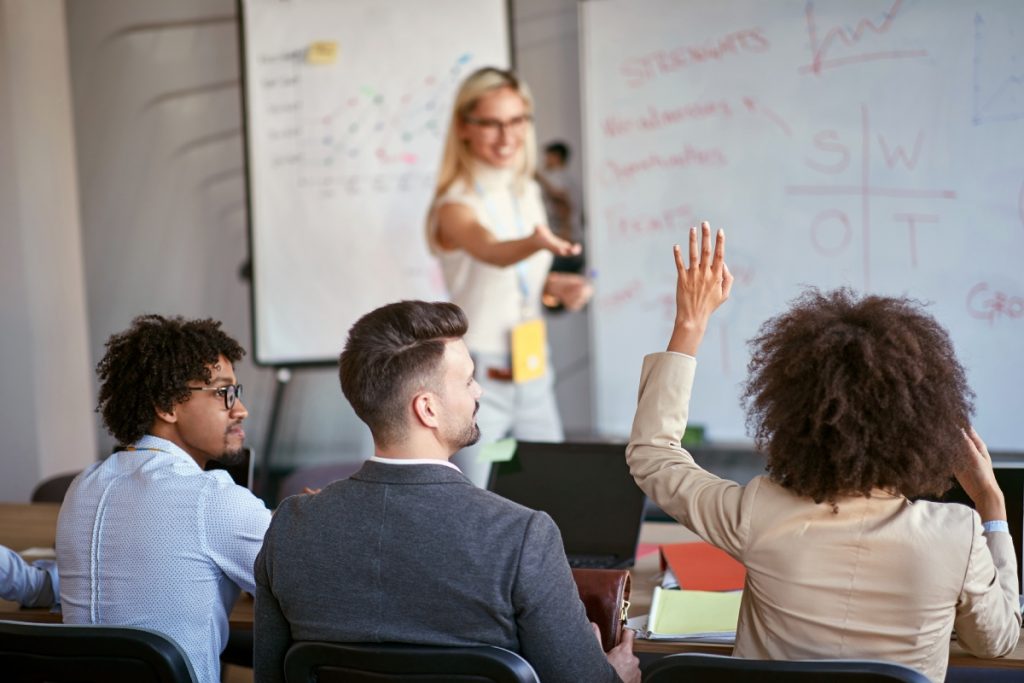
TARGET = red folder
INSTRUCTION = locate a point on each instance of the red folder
(702, 567)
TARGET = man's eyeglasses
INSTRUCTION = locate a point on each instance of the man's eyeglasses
(229, 393)
(496, 126)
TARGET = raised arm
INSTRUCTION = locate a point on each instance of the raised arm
(458, 228)
(712, 507)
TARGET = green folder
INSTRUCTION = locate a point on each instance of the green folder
(693, 615)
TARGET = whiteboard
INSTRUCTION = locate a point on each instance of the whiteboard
(877, 144)
(347, 106)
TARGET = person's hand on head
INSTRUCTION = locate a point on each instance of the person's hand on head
(621, 657)
(979, 480)
(700, 288)
(543, 238)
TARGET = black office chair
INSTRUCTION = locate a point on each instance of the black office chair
(62, 653)
(52, 490)
(309, 662)
(719, 669)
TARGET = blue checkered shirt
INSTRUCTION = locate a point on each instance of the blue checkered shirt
(146, 538)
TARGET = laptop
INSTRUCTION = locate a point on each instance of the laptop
(1010, 477)
(587, 490)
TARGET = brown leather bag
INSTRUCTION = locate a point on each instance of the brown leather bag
(605, 594)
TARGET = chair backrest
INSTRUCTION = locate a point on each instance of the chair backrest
(52, 490)
(60, 653)
(307, 662)
(720, 669)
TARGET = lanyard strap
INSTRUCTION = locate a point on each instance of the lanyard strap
(492, 213)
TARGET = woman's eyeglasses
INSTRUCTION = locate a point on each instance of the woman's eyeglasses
(497, 126)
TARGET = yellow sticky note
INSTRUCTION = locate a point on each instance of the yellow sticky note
(529, 350)
(322, 52)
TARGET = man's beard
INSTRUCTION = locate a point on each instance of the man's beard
(468, 435)
(231, 458)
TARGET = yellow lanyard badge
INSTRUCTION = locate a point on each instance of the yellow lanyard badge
(529, 350)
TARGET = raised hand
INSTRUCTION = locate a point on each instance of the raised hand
(700, 288)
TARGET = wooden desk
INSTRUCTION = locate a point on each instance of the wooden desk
(34, 525)
(27, 525)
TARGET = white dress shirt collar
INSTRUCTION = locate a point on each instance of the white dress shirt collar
(414, 461)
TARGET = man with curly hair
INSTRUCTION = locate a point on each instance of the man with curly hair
(861, 408)
(147, 537)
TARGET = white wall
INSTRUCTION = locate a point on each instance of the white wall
(158, 150)
(47, 398)
(158, 114)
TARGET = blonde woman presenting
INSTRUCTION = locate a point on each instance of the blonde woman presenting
(488, 228)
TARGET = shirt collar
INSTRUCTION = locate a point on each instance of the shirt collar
(154, 443)
(414, 461)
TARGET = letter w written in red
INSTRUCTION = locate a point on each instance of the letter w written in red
(898, 153)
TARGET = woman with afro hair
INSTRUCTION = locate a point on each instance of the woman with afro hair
(860, 408)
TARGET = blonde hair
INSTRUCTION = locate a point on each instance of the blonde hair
(456, 164)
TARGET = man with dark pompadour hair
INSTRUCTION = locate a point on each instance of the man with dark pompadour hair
(408, 550)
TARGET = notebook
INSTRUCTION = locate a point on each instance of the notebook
(587, 490)
(694, 616)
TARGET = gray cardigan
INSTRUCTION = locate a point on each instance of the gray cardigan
(417, 554)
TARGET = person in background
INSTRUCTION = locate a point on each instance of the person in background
(563, 203)
(860, 407)
(407, 550)
(488, 228)
(147, 537)
(30, 585)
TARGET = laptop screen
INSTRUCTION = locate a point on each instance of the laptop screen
(587, 490)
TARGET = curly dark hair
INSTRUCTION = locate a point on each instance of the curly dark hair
(392, 352)
(148, 367)
(847, 394)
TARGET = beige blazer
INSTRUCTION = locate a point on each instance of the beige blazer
(884, 578)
